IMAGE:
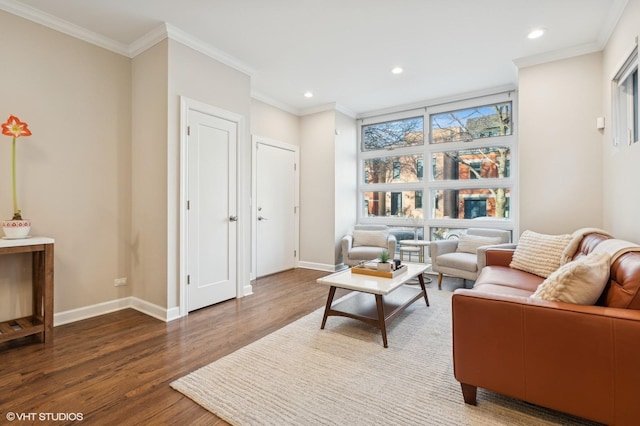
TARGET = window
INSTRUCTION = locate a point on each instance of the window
(625, 101)
(396, 169)
(391, 160)
(456, 203)
(481, 163)
(393, 134)
(406, 168)
(470, 149)
(469, 124)
(388, 204)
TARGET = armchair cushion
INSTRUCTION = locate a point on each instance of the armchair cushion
(471, 243)
(580, 281)
(353, 245)
(457, 260)
(370, 238)
(540, 254)
(464, 256)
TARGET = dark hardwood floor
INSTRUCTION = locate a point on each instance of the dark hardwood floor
(115, 369)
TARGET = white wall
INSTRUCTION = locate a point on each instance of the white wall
(327, 186)
(621, 195)
(317, 191)
(74, 172)
(149, 174)
(559, 146)
(346, 161)
(273, 123)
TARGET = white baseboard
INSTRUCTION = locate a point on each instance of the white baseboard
(152, 310)
(318, 266)
(248, 290)
(173, 314)
(140, 305)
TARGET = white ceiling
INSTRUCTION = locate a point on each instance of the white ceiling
(343, 50)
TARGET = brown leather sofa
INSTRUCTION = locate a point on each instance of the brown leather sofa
(581, 360)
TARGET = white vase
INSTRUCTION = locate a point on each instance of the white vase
(16, 229)
(384, 266)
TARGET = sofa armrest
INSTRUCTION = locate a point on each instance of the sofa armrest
(498, 256)
(437, 248)
(482, 252)
(577, 359)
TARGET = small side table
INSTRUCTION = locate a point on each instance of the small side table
(415, 246)
(41, 319)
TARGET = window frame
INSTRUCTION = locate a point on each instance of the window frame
(428, 185)
(624, 105)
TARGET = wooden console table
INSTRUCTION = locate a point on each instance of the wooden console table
(41, 319)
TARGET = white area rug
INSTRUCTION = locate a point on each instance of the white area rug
(301, 375)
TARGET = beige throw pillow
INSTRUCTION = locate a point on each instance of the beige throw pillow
(539, 254)
(580, 281)
(370, 238)
(470, 243)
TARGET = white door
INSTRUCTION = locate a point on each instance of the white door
(211, 214)
(276, 209)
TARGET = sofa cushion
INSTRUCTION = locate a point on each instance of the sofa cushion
(504, 276)
(580, 281)
(470, 243)
(539, 254)
(464, 261)
(501, 289)
(370, 238)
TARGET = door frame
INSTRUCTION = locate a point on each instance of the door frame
(254, 196)
(186, 105)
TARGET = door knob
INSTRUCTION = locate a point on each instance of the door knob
(262, 218)
(233, 218)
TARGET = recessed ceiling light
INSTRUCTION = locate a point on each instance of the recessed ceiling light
(397, 70)
(538, 32)
(308, 95)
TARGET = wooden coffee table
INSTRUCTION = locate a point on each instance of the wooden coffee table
(391, 296)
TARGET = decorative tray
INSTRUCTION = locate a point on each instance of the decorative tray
(368, 271)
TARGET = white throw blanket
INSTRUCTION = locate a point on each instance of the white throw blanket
(616, 248)
(578, 235)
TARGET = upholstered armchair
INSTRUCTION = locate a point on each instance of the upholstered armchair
(464, 257)
(366, 242)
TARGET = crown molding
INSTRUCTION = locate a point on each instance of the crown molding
(148, 40)
(557, 55)
(346, 111)
(259, 96)
(65, 27)
(180, 36)
(332, 106)
(302, 112)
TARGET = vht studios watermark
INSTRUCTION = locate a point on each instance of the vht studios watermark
(45, 417)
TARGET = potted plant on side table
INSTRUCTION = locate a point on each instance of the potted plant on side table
(17, 227)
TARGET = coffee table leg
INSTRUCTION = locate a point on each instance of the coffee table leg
(424, 289)
(381, 321)
(332, 292)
